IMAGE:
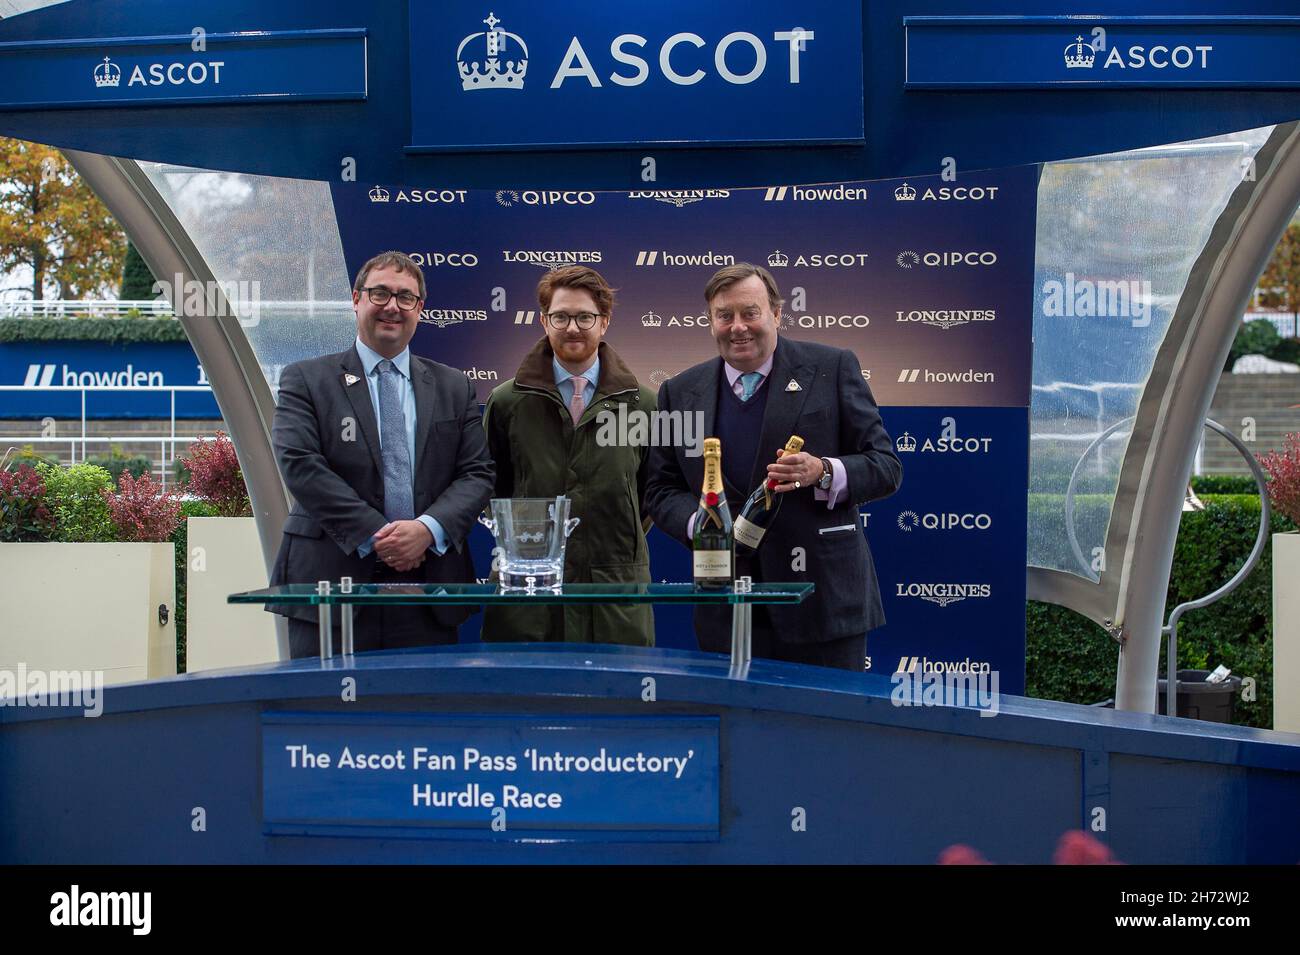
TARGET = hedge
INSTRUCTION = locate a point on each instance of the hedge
(114, 331)
(181, 539)
(1070, 658)
(1224, 484)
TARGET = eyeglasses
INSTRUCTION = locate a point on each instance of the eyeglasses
(561, 319)
(382, 296)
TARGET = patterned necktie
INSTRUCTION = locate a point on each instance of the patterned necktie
(749, 381)
(399, 504)
(578, 404)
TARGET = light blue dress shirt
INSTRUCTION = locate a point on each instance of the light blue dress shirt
(370, 360)
(564, 381)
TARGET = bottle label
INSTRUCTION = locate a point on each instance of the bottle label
(748, 533)
(713, 563)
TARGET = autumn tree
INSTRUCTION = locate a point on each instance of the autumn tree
(54, 225)
(1279, 286)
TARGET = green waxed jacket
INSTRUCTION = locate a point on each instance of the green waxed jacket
(540, 453)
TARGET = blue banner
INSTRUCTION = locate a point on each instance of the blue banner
(119, 381)
(929, 281)
(490, 777)
(255, 66)
(528, 75)
(1244, 52)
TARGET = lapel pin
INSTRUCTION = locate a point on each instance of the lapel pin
(793, 386)
(351, 379)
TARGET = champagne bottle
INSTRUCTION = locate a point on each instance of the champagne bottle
(761, 508)
(713, 539)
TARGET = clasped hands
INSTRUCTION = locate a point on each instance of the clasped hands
(402, 545)
(802, 467)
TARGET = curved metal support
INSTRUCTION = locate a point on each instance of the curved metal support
(238, 383)
(1069, 493)
(1261, 540)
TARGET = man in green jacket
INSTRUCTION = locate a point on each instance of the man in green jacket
(544, 429)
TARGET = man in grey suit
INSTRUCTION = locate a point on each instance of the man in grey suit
(384, 454)
(761, 390)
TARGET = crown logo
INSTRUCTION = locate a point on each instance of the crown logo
(904, 193)
(651, 320)
(906, 442)
(107, 73)
(778, 260)
(487, 72)
(1079, 55)
(379, 194)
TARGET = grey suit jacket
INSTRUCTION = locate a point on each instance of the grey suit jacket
(327, 444)
(834, 412)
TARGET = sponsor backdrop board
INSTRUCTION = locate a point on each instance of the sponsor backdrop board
(928, 281)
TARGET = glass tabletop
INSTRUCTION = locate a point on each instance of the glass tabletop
(477, 594)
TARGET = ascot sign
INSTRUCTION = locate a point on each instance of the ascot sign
(677, 73)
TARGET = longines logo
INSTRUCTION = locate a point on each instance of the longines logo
(680, 197)
(660, 257)
(442, 317)
(911, 259)
(945, 444)
(908, 521)
(452, 259)
(1083, 56)
(553, 197)
(817, 260)
(488, 71)
(946, 318)
(907, 193)
(108, 75)
(552, 258)
(967, 376)
(380, 194)
(944, 594)
(840, 193)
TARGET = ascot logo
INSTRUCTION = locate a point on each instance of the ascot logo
(651, 320)
(947, 444)
(1080, 55)
(442, 317)
(904, 193)
(487, 73)
(680, 197)
(380, 194)
(817, 260)
(456, 196)
(107, 74)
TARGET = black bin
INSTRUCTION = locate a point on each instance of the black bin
(1198, 700)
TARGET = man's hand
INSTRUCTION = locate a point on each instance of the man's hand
(802, 467)
(402, 544)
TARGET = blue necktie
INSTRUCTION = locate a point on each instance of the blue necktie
(399, 504)
(749, 382)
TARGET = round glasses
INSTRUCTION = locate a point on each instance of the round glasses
(561, 319)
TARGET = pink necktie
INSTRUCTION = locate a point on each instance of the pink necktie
(578, 404)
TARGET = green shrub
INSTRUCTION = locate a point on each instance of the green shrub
(181, 539)
(114, 331)
(30, 456)
(1257, 337)
(1204, 484)
(76, 496)
(1070, 658)
(116, 462)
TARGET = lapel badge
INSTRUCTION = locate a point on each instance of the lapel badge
(350, 379)
(793, 386)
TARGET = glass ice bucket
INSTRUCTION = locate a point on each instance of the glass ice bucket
(530, 534)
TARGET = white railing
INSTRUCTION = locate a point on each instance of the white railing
(150, 308)
(166, 443)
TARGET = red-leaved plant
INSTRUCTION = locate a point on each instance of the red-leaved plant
(141, 511)
(215, 476)
(24, 515)
(1075, 847)
(1283, 469)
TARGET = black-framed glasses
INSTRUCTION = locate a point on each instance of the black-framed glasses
(381, 296)
(561, 320)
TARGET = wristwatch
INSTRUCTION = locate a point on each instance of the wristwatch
(827, 475)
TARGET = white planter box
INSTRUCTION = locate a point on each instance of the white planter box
(225, 557)
(89, 607)
(1286, 632)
